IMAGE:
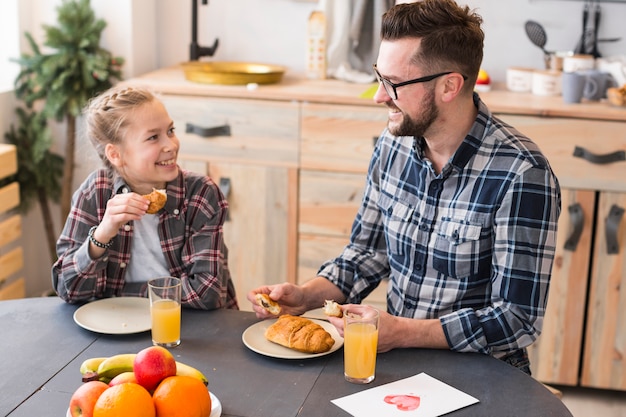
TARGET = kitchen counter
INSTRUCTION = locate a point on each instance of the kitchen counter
(295, 87)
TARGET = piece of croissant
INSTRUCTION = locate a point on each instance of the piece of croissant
(300, 334)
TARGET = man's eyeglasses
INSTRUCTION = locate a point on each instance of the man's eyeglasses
(390, 87)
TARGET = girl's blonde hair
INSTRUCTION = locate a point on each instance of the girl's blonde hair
(108, 115)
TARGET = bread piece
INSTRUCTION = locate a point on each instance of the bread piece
(300, 334)
(331, 308)
(157, 200)
(267, 303)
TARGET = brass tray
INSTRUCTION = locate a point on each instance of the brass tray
(232, 73)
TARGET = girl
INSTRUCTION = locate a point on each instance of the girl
(109, 245)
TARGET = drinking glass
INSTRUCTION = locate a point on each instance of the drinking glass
(164, 293)
(360, 333)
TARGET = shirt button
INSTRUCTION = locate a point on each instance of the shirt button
(125, 190)
(418, 267)
(123, 265)
(127, 227)
(105, 259)
(423, 227)
(176, 211)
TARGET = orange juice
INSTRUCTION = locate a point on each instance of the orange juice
(360, 342)
(165, 322)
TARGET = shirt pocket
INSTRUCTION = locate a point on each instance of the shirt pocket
(397, 219)
(459, 248)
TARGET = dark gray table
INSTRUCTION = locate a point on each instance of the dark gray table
(42, 350)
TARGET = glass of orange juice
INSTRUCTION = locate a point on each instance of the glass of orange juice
(164, 296)
(360, 334)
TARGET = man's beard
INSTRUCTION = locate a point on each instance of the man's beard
(418, 128)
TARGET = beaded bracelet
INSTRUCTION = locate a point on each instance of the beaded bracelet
(97, 243)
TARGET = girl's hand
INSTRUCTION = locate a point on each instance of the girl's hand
(120, 209)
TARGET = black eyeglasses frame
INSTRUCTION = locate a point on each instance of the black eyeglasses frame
(385, 82)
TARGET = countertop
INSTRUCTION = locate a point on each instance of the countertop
(295, 87)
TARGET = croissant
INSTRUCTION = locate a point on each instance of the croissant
(300, 334)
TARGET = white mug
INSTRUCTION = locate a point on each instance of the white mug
(519, 79)
(546, 83)
(578, 62)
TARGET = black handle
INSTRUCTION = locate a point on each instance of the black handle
(207, 132)
(612, 227)
(577, 220)
(599, 159)
(225, 187)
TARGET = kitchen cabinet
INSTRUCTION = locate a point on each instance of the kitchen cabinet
(11, 254)
(293, 157)
(584, 336)
(249, 148)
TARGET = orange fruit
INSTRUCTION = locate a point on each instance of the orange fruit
(127, 399)
(182, 396)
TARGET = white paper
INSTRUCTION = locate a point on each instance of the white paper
(420, 395)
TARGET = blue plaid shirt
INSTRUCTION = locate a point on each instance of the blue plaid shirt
(472, 246)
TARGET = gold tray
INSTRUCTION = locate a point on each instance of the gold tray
(232, 73)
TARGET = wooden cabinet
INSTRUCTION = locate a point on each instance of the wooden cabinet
(584, 335)
(11, 255)
(249, 148)
(336, 146)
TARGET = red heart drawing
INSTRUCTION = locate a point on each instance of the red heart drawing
(404, 402)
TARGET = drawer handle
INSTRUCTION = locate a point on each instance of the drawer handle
(577, 220)
(599, 159)
(612, 227)
(207, 132)
(225, 187)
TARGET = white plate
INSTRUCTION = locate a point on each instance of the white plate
(118, 315)
(216, 407)
(254, 338)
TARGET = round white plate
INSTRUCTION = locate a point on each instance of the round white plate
(118, 315)
(254, 338)
(216, 407)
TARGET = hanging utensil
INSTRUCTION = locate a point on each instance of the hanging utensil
(596, 25)
(538, 37)
(581, 48)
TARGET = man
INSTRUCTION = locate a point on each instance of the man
(460, 210)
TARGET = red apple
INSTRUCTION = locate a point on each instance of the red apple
(84, 399)
(152, 365)
(123, 378)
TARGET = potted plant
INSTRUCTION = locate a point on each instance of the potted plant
(57, 85)
(63, 80)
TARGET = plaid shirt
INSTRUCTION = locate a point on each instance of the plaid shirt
(191, 234)
(472, 246)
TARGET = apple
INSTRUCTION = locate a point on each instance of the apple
(123, 378)
(483, 81)
(152, 365)
(84, 399)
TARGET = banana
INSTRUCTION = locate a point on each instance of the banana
(115, 365)
(90, 365)
(184, 369)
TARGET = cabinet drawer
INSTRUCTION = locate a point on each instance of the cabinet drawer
(339, 138)
(329, 202)
(559, 137)
(260, 132)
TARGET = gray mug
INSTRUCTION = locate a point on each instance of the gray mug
(576, 85)
(603, 81)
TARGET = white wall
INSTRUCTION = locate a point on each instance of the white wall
(152, 34)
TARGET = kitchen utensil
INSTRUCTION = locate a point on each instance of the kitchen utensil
(596, 25)
(538, 37)
(581, 48)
